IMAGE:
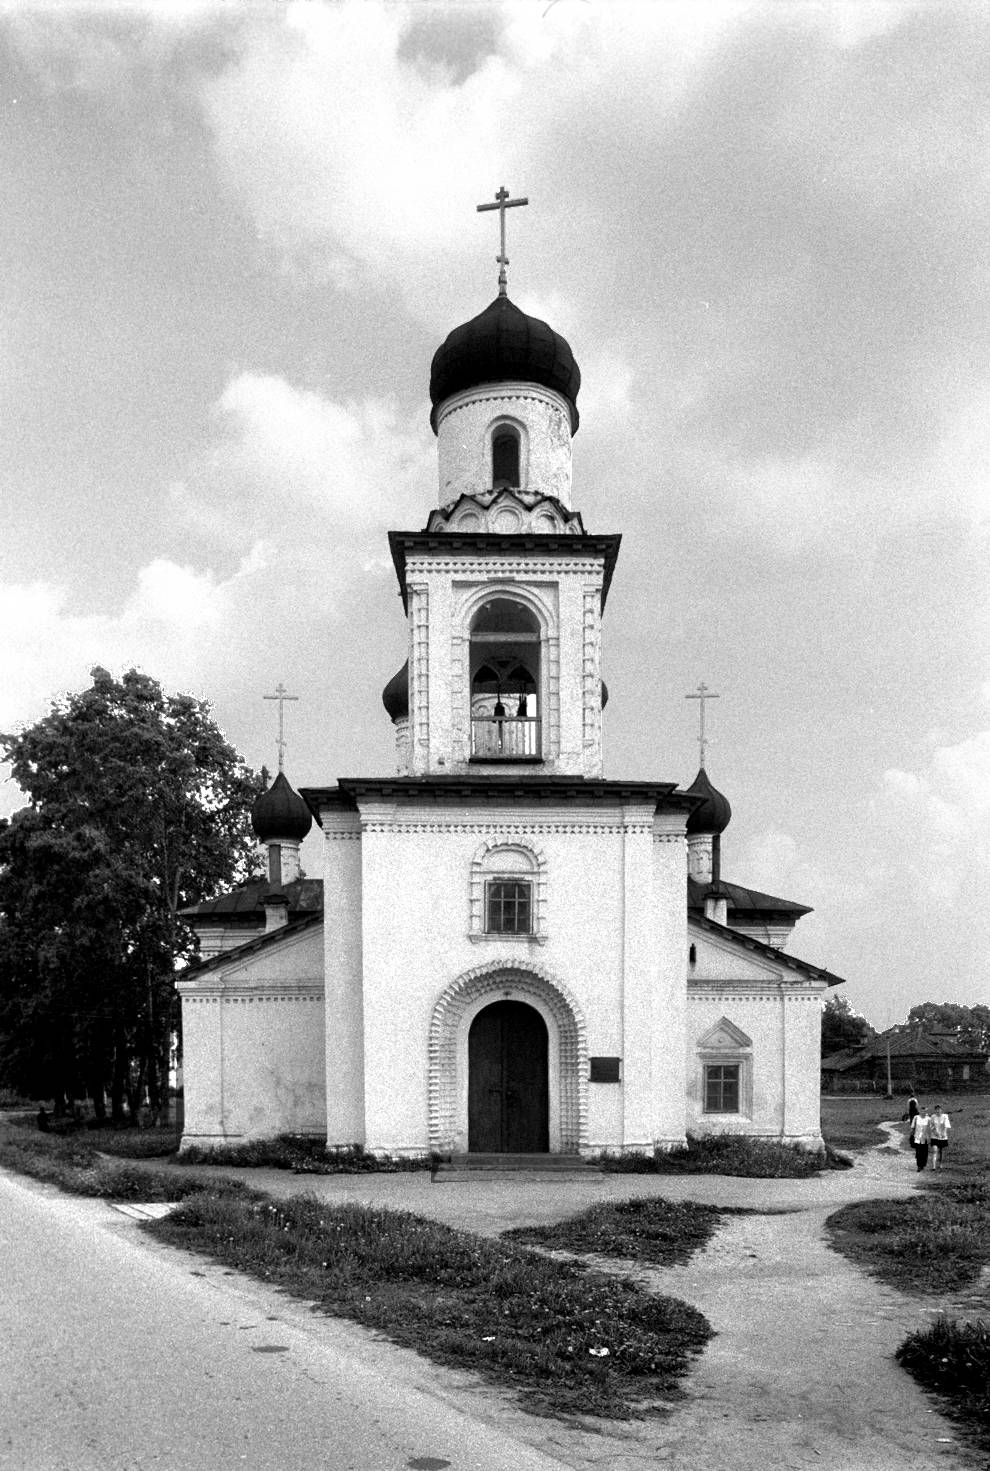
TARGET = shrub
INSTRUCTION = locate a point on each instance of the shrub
(721, 1154)
(303, 1154)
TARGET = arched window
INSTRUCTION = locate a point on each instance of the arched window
(505, 683)
(505, 457)
(508, 898)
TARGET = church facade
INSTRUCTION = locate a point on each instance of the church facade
(510, 952)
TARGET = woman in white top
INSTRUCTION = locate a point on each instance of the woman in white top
(938, 1135)
(919, 1138)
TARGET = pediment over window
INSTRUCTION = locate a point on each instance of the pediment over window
(724, 1036)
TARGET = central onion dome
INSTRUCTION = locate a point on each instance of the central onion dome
(503, 345)
(281, 813)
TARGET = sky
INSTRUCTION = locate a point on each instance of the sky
(232, 237)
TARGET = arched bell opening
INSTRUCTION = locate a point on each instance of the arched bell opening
(505, 683)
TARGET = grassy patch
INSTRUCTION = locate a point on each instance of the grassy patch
(953, 1360)
(665, 1233)
(721, 1154)
(73, 1164)
(567, 1340)
(852, 1122)
(301, 1154)
(936, 1241)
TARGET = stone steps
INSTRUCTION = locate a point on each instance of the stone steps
(465, 1166)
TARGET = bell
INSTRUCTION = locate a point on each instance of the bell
(522, 711)
(499, 711)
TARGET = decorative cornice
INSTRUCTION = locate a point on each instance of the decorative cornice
(504, 393)
(448, 550)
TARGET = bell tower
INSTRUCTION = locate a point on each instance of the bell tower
(503, 588)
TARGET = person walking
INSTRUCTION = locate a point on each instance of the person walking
(920, 1126)
(938, 1135)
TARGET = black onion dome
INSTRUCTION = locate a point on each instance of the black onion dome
(280, 813)
(713, 814)
(395, 695)
(504, 344)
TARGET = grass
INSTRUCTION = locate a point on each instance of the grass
(665, 1233)
(850, 1121)
(73, 1163)
(953, 1361)
(932, 1243)
(723, 1154)
(565, 1339)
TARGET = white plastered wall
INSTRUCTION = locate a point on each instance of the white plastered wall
(253, 1053)
(464, 430)
(778, 1012)
(614, 944)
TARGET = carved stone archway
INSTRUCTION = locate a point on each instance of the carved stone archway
(456, 1007)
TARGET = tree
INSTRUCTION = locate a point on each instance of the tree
(967, 1025)
(842, 1027)
(138, 807)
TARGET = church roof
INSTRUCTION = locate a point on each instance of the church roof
(257, 942)
(492, 543)
(246, 901)
(496, 791)
(770, 952)
(502, 345)
(743, 900)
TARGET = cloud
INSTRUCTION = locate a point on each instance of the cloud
(169, 625)
(303, 472)
(939, 817)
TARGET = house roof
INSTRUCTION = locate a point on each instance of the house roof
(916, 1045)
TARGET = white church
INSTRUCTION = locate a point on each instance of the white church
(509, 952)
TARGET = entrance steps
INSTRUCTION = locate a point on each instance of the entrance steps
(478, 1166)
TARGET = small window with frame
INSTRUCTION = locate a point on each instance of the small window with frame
(508, 907)
(722, 1087)
(505, 457)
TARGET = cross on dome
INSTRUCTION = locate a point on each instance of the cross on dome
(704, 693)
(502, 203)
(281, 694)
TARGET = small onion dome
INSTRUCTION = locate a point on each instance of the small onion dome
(280, 813)
(502, 345)
(395, 695)
(713, 815)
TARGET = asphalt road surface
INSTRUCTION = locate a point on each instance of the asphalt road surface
(118, 1354)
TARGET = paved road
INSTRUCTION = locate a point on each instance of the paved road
(117, 1354)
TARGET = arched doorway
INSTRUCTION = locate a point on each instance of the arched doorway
(508, 1093)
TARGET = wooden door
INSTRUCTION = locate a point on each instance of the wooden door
(508, 1110)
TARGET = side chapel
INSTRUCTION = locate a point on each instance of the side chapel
(509, 953)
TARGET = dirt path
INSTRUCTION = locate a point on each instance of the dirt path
(800, 1373)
